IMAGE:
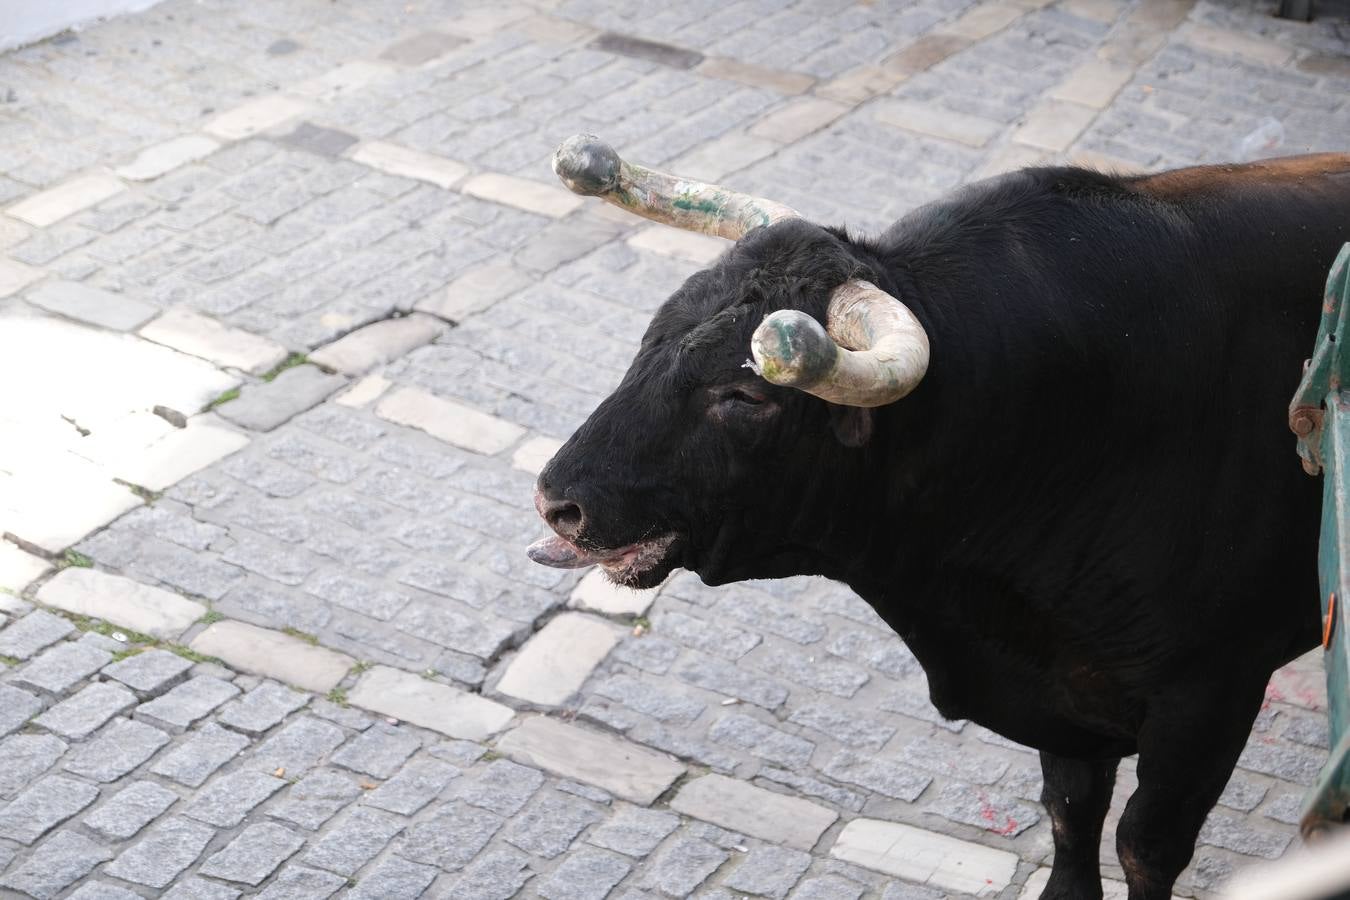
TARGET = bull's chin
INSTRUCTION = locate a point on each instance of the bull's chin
(642, 564)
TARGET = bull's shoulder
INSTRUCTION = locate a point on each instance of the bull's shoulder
(1180, 185)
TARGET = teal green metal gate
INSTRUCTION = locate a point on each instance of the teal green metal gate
(1320, 416)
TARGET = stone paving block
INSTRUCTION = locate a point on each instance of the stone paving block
(15, 276)
(634, 831)
(768, 871)
(232, 796)
(1054, 125)
(316, 798)
(502, 787)
(265, 405)
(877, 774)
(378, 751)
(19, 569)
(408, 163)
(394, 879)
(274, 655)
(766, 742)
(828, 887)
(200, 889)
(256, 853)
(654, 700)
(54, 204)
(495, 875)
(255, 116)
(984, 20)
(984, 809)
(696, 248)
(23, 757)
(772, 817)
(1223, 40)
(844, 725)
(118, 749)
(298, 747)
(534, 454)
(296, 882)
(205, 750)
(150, 671)
(363, 392)
(377, 343)
(56, 864)
(26, 637)
(682, 866)
(92, 305)
(452, 422)
(162, 855)
(724, 678)
(925, 857)
(777, 80)
(1094, 84)
(1111, 889)
(121, 601)
(966, 129)
(94, 890)
(318, 139)
(550, 827)
(163, 158)
(354, 842)
(413, 787)
(557, 660)
(261, 708)
(1233, 833)
(135, 806)
(475, 290)
(612, 764)
(198, 335)
(85, 712)
(194, 699)
(652, 51)
(41, 807)
(426, 703)
(585, 875)
(343, 80)
(182, 452)
(796, 119)
(420, 49)
(714, 161)
(451, 837)
(522, 193)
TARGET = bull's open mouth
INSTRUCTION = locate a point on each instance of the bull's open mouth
(636, 565)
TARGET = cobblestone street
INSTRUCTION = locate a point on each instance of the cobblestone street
(292, 311)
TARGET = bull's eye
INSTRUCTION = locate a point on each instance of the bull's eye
(740, 395)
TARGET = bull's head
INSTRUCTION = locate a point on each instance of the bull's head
(701, 458)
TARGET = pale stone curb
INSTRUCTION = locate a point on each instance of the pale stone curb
(952, 126)
(429, 704)
(452, 422)
(255, 117)
(343, 80)
(182, 452)
(715, 160)
(612, 764)
(798, 118)
(202, 336)
(377, 343)
(1111, 890)
(54, 204)
(597, 593)
(15, 276)
(262, 651)
(1095, 84)
(1221, 40)
(475, 290)
(535, 453)
(924, 857)
(363, 392)
(161, 159)
(1054, 125)
(743, 807)
(92, 305)
(556, 661)
(19, 569)
(408, 163)
(121, 601)
(522, 193)
(755, 76)
(984, 20)
(686, 245)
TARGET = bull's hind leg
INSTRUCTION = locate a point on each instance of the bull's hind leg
(1076, 795)
(1188, 745)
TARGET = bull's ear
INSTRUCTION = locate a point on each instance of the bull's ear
(852, 424)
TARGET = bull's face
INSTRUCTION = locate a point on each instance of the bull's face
(699, 457)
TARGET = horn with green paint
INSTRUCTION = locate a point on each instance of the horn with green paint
(589, 166)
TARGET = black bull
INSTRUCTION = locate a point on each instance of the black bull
(1087, 522)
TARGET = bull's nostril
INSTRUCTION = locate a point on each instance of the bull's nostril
(564, 517)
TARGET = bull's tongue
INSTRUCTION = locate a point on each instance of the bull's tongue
(560, 554)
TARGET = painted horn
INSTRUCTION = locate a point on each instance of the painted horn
(875, 353)
(589, 166)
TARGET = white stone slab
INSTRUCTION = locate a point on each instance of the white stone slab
(121, 601)
(522, 193)
(182, 452)
(198, 335)
(610, 763)
(535, 453)
(408, 163)
(1054, 125)
(715, 160)
(797, 118)
(161, 159)
(343, 80)
(596, 592)
(54, 204)
(92, 305)
(452, 422)
(19, 569)
(430, 704)
(15, 276)
(924, 857)
(1095, 84)
(1222, 40)
(1111, 890)
(983, 20)
(255, 116)
(262, 651)
(363, 392)
(696, 248)
(475, 290)
(556, 661)
(743, 807)
(377, 343)
(941, 123)
(51, 498)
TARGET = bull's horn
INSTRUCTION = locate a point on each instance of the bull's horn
(875, 353)
(589, 166)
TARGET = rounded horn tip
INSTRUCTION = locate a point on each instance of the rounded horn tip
(587, 165)
(792, 349)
